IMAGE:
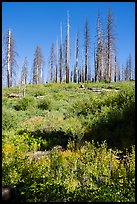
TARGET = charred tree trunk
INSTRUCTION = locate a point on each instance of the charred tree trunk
(110, 46)
(61, 52)
(56, 73)
(76, 59)
(67, 50)
(87, 69)
(115, 70)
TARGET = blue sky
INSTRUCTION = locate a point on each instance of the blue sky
(38, 23)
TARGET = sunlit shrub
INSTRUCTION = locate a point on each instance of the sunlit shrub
(70, 117)
(9, 119)
(24, 103)
(45, 104)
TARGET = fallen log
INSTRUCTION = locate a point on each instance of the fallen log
(14, 95)
(40, 96)
(36, 155)
(101, 89)
(95, 89)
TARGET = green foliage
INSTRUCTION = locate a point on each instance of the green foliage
(45, 104)
(24, 103)
(9, 119)
(65, 122)
(80, 175)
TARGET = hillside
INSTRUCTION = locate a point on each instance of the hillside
(77, 128)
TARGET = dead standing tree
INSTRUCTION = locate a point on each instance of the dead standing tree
(87, 42)
(83, 72)
(110, 46)
(118, 72)
(38, 66)
(76, 75)
(67, 64)
(130, 67)
(115, 70)
(56, 71)
(9, 62)
(52, 63)
(128, 73)
(95, 64)
(60, 58)
(100, 69)
(24, 72)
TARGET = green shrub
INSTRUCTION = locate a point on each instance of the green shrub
(39, 93)
(68, 116)
(9, 119)
(24, 103)
(45, 104)
(80, 175)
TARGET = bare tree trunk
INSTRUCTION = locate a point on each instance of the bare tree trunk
(83, 73)
(122, 72)
(76, 59)
(115, 72)
(95, 65)
(37, 74)
(118, 71)
(52, 63)
(100, 69)
(9, 76)
(110, 45)
(41, 74)
(9, 62)
(37, 66)
(126, 73)
(60, 52)
(56, 77)
(67, 50)
(87, 71)
(24, 72)
(71, 76)
(79, 74)
(130, 67)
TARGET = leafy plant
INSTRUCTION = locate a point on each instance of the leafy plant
(63, 125)
(24, 103)
(45, 104)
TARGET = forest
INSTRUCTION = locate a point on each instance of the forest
(72, 138)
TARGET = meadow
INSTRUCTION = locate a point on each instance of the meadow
(82, 134)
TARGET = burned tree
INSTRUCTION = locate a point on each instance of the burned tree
(130, 67)
(95, 64)
(52, 62)
(110, 46)
(100, 69)
(118, 73)
(83, 72)
(56, 71)
(38, 66)
(67, 64)
(76, 77)
(24, 72)
(87, 43)
(126, 71)
(60, 58)
(9, 61)
(115, 70)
